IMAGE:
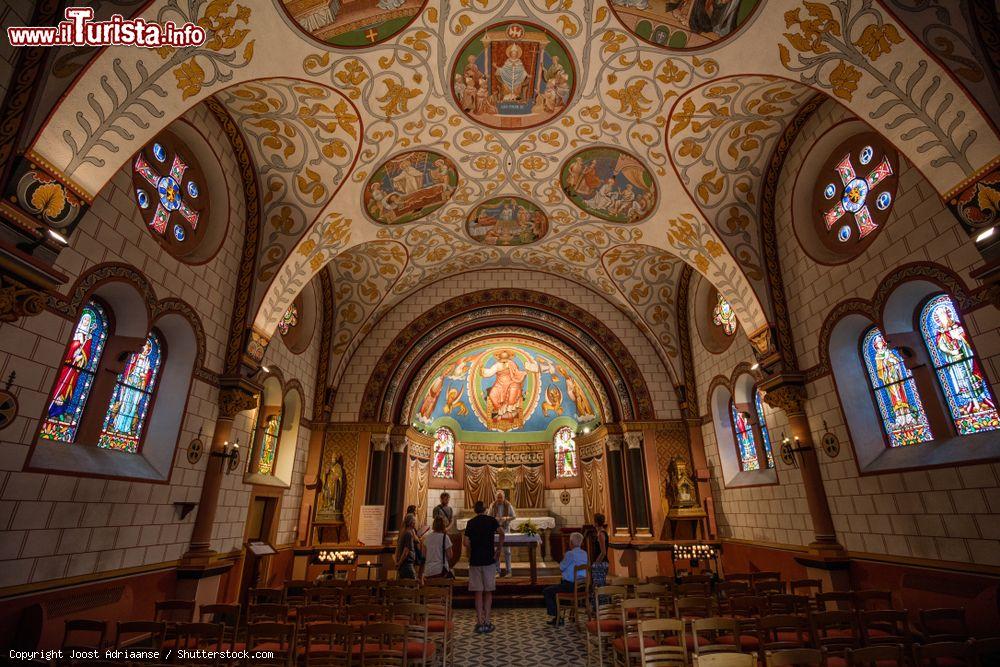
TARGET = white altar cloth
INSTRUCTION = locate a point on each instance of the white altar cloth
(518, 539)
(541, 522)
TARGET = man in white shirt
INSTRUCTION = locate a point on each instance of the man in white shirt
(503, 512)
(574, 558)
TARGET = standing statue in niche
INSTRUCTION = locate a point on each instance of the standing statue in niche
(333, 489)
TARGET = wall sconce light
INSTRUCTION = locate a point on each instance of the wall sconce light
(787, 450)
(232, 454)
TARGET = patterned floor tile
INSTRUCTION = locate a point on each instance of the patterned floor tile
(522, 639)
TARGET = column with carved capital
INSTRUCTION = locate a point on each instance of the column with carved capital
(236, 395)
(397, 484)
(378, 469)
(638, 488)
(788, 394)
(616, 485)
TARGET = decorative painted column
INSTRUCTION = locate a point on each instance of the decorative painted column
(638, 489)
(378, 469)
(616, 486)
(397, 485)
(788, 394)
(235, 396)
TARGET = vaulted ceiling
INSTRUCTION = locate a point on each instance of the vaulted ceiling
(703, 119)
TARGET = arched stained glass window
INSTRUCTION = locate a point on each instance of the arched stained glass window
(900, 408)
(969, 398)
(759, 405)
(289, 319)
(444, 454)
(269, 444)
(723, 316)
(132, 396)
(76, 375)
(744, 439)
(565, 452)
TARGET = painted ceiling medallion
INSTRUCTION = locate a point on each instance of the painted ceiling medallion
(507, 221)
(610, 184)
(513, 75)
(683, 24)
(410, 186)
(353, 24)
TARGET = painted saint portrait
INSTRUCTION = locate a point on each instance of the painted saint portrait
(410, 186)
(353, 23)
(513, 75)
(507, 221)
(610, 184)
(683, 24)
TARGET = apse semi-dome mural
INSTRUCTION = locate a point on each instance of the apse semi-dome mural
(353, 24)
(505, 384)
(410, 186)
(682, 24)
(513, 75)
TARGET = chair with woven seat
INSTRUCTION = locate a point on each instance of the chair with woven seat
(728, 660)
(276, 640)
(835, 631)
(796, 657)
(944, 654)
(659, 593)
(229, 616)
(716, 635)
(943, 624)
(886, 655)
(885, 627)
(607, 622)
(326, 644)
(695, 606)
(662, 643)
(383, 645)
(782, 632)
(317, 613)
(625, 648)
(727, 590)
(571, 600)
(420, 649)
(83, 634)
(199, 641)
(140, 634)
(363, 613)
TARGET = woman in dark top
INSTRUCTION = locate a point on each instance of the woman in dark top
(599, 552)
(407, 549)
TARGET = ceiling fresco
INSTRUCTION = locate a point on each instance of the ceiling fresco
(507, 221)
(325, 121)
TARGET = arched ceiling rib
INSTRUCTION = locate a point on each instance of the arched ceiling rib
(625, 91)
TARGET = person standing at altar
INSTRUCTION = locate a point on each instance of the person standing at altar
(444, 511)
(503, 512)
(483, 556)
(573, 559)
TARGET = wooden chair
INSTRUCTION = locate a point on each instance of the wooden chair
(173, 612)
(401, 594)
(987, 651)
(728, 660)
(689, 608)
(768, 586)
(628, 582)
(437, 599)
(659, 593)
(84, 634)
(662, 643)
(626, 647)
(807, 587)
(229, 616)
(835, 600)
(360, 594)
(798, 657)
(661, 580)
(278, 639)
(331, 595)
(295, 592)
(327, 644)
(140, 634)
(939, 654)
(266, 596)
(716, 635)
(764, 575)
(888, 655)
(727, 590)
(738, 576)
(580, 593)
(420, 649)
(943, 624)
(693, 589)
(316, 613)
(606, 624)
(782, 632)
(199, 637)
(873, 599)
(698, 579)
(383, 645)
(835, 631)
(786, 603)
(267, 612)
(363, 613)
(885, 627)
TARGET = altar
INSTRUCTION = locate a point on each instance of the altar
(544, 525)
(529, 542)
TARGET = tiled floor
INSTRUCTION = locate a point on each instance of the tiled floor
(522, 639)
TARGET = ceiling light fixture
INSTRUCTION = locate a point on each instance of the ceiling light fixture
(58, 237)
(985, 234)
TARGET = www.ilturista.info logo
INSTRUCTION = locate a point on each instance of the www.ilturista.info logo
(79, 29)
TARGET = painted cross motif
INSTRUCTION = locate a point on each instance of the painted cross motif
(854, 198)
(169, 191)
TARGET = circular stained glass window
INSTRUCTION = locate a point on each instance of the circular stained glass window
(854, 193)
(168, 182)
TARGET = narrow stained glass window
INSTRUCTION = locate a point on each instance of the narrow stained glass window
(723, 316)
(759, 405)
(269, 444)
(76, 375)
(969, 398)
(900, 408)
(565, 450)
(744, 439)
(130, 401)
(444, 454)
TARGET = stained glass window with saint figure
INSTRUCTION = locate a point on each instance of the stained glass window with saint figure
(900, 408)
(723, 316)
(443, 465)
(745, 445)
(969, 397)
(565, 451)
(765, 435)
(131, 398)
(269, 444)
(76, 375)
